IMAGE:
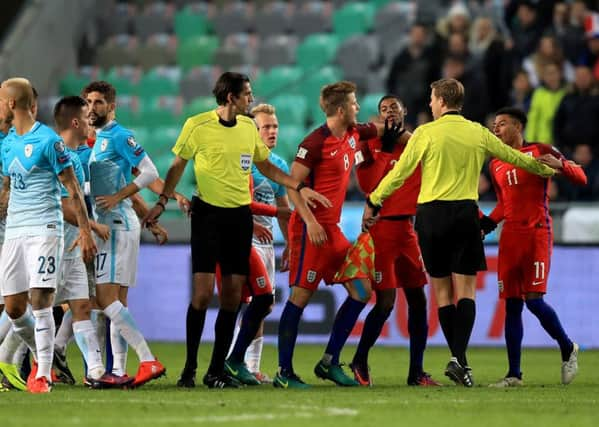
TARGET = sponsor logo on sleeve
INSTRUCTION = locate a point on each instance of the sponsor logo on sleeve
(131, 142)
(261, 282)
(59, 146)
(358, 157)
(311, 276)
(500, 285)
(301, 153)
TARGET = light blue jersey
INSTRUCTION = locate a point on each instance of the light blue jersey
(114, 155)
(267, 191)
(71, 232)
(3, 220)
(84, 153)
(33, 162)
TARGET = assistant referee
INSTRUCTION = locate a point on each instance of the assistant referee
(223, 144)
(452, 150)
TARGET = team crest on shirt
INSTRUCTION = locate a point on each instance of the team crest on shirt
(28, 150)
(245, 161)
(104, 145)
(500, 285)
(378, 276)
(311, 276)
(261, 281)
(352, 142)
(131, 142)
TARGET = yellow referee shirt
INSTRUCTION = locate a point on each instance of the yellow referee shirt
(452, 151)
(222, 157)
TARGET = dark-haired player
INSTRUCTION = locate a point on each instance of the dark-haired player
(526, 242)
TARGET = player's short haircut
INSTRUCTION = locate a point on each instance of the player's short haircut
(451, 91)
(21, 89)
(335, 95)
(263, 108)
(229, 82)
(103, 87)
(35, 94)
(66, 109)
(515, 113)
(389, 96)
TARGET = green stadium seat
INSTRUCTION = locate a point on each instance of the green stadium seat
(291, 109)
(282, 79)
(142, 135)
(312, 85)
(127, 111)
(160, 111)
(196, 51)
(199, 105)
(289, 138)
(369, 106)
(124, 79)
(191, 22)
(160, 81)
(163, 162)
(72, 83)
(353, 18)
(162, 140)
(316, 51)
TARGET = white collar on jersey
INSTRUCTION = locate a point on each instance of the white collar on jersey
(98, 130)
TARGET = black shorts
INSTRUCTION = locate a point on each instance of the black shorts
(450, 238)
(220, 235)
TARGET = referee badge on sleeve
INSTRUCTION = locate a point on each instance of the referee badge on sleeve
(245, 162)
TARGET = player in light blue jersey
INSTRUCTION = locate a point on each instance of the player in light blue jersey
(272, 193)
(115, 154)
(35, 163)
(4, 321)
(71, 119)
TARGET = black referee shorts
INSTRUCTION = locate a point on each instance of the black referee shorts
(220, 235)
(450, 238)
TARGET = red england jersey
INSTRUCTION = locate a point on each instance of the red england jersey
(330, 160)
(522, 197)
(376, 165)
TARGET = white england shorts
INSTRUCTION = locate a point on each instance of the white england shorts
(116, 260)
(267, 253)
(30, 262)
(72, 283)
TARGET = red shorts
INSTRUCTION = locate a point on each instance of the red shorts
(397, 260)
(523, 262)
(308, 264)
(258, 282)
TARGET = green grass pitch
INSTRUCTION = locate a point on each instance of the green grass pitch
(543, 402)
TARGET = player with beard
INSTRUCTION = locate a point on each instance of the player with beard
(398, 263)
(115, 154)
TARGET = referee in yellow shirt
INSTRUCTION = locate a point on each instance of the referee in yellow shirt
(222, 143)
(452, 151)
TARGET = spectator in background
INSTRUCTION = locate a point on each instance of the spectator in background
(457, 20)
(577, 118)
(547, 52)
(568, 28)
(521, 93)
(583, 155)
(412, 70)
(544, 103)
(476, 103)
(526, 29)
(487, 47)
(590, 55)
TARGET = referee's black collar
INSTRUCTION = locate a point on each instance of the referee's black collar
(227, 123)
(451, 112)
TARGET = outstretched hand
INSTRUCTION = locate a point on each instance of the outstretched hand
(390, 135)
(310, 197)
